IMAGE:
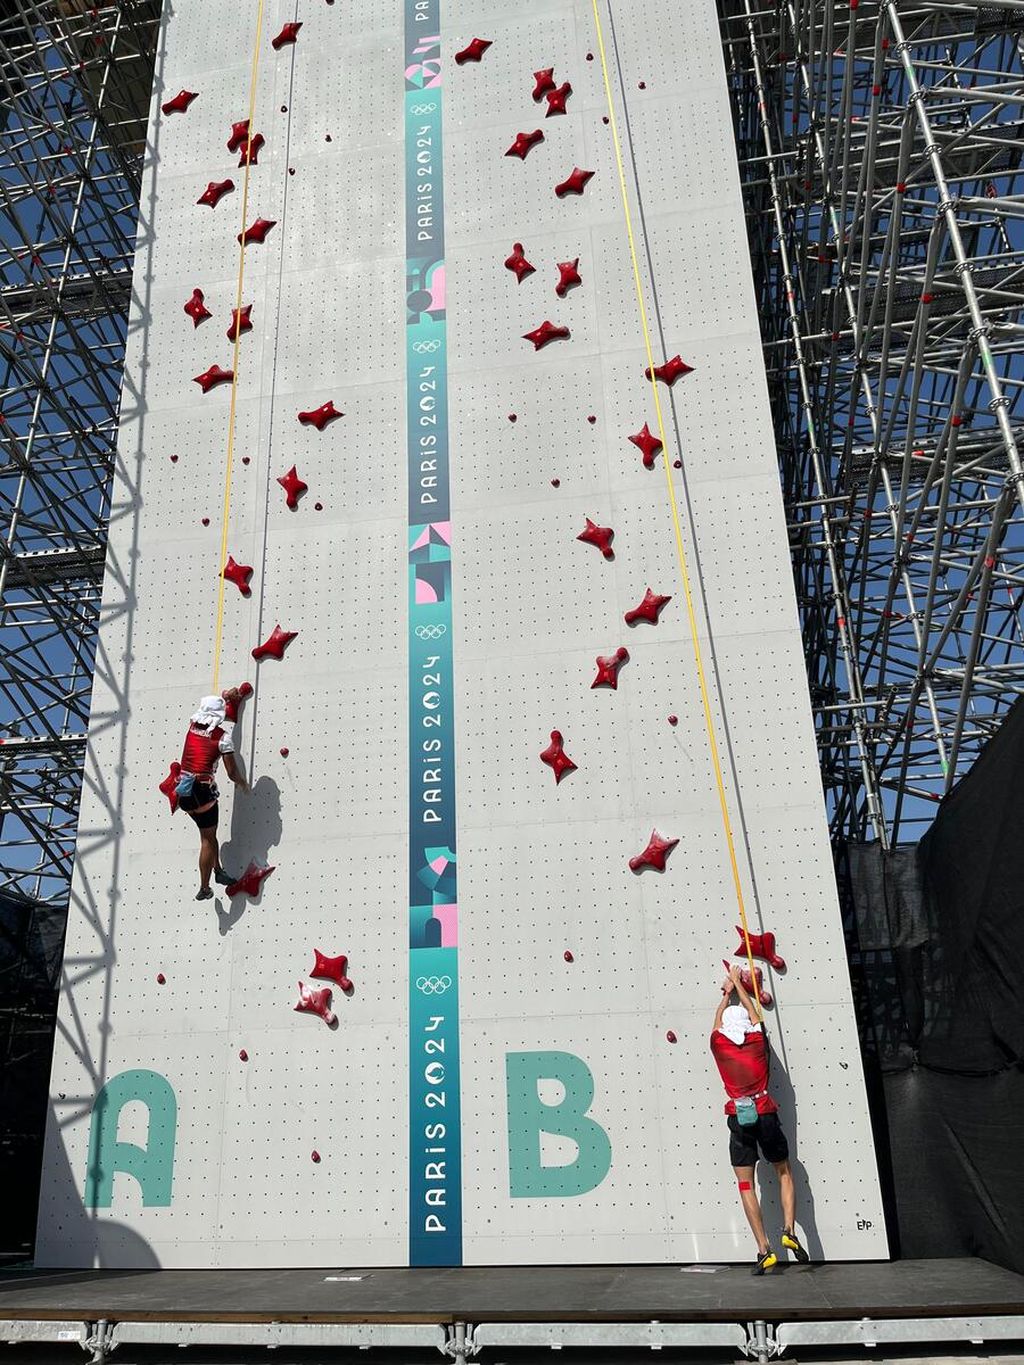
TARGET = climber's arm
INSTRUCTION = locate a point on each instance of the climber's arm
(234, 772)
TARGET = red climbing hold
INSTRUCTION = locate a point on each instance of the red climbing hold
(245, 690)
(315, 1156)
(543, 81)
(568, 277)
(473, 51)
(556, 758)
(762, 946)
(215, 192)
(747, 982)
(239, 574)
(673, 720)
(168, 785)
(160, 979)
(239, 134)
(557, 98)
(649, 444)
(243, 1056)
(524, 142)
(284, 752)
(331, 969)
(210, 378)
(601, 536)
(649, 609)
(608, 666)
(320, 417)
(547, 331)
(316, 1002)
(654, 854)
(250, 150)
(568, 956)
(574, 183)
(274, 646)
(671, 370)
(258, 231)
(670, 1037)
(196, 308)
(180, 102)
(241, 321)
(293, 487)
(287, 35)
(250, 882)
(518, 263)
(556, 483)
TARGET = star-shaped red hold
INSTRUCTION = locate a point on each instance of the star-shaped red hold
(241, 321)
(648, 443)
(274, 646)
(518, 263)
(671, 370)
(331, 969)
(239, 574)
(473, 51)
(287, 35)
(180, 102)
(293, 487)
(556, 758)
(574, 183)
(543, 81)
(316, 1002)
(258, 231)
(250, 882)
(197, 310)
(547, 331)
(524, 142)
(215, 192)
(608, 669)
(239, 134)
(250, 150)
(654, 854)
(169, 784)
(601, 536)
(762, 946)
(568, 277)
(557, 98)
(320, 417)
(649, 609)
(210, 378)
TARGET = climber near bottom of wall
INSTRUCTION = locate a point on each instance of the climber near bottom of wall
(208, 739)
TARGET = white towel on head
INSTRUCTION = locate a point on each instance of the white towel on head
(211, 713)
(736, 1024)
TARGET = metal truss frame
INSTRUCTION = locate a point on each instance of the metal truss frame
(881, 146)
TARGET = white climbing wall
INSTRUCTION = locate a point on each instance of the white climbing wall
(215, 1165)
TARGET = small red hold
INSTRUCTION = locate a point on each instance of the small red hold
(557, 99)
(762, 946)
(574, 183)
(239, 134)
(318, 507)
(169, 784)
(174, 459)
(315, 1156)
(284, 108)
(210, 378)
(604, 118)
(543, 81)
(590, 56)
(316, 1002)
(287, 35)
(331, 969)
(205, 521)
(648, 610)
(670, 1037)
(160, 979)
(180, 102)
(608, 666)
(512, 417)
(568, 277)
(197, 310)
(524, 142)
(556, 483)
(518, 263)
(649, 445)
(473, 51)
(320, 417)
(215, 192)
(293, 487)
(641, 85)
(274, 646)
(328, 138)
(601, 536)
(592, 419)
(258, 231)
(291, 170)
(568, 956)
(284, 751)
(239, 574)
(243, 1056)
(250, 150)
(673, 720)
(250, 882)
(677, 464)
(241, 321)
(547, 331)
(671, 370)
(654, 854)
(246, 459)
(556, 758)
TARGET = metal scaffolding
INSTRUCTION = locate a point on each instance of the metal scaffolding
(881, 154)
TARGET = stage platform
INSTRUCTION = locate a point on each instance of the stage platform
(469, 1312)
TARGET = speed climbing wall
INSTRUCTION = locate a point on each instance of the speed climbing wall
(529, 737)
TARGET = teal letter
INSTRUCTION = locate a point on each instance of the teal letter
(153, 1165)
(529, 1116)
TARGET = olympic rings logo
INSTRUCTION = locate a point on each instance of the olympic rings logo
(422, 347)
(422, 108)
(431, 632)
(433, 985)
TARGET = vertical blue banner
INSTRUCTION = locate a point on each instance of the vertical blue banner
(435, 1140)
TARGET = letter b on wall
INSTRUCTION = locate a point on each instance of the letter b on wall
(529, 1116)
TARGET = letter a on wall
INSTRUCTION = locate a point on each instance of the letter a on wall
(529, 1116)
(153, 1165)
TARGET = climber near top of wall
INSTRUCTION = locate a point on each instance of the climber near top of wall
(209, 737)
(739, 1045)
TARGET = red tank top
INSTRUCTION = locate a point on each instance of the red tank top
(744, 1069)
(201, 753)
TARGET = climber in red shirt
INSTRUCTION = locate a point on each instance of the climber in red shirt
(209, 738)
(739, 1045)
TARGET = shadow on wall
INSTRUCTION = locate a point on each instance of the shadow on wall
(255, 829)
(789, 1116)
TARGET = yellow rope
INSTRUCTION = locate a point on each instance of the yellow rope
(219, 636)
(680, 551)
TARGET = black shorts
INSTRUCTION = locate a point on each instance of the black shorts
(201, 794)
(766, 1133)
